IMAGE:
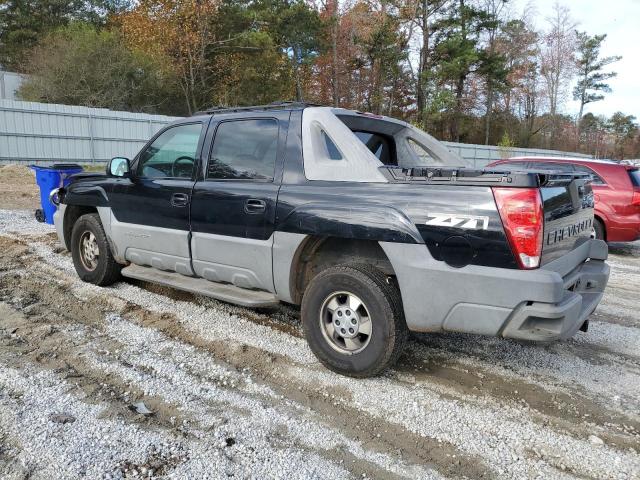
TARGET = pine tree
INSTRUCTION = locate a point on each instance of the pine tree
(592, 79)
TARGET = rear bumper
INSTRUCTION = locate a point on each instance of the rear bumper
(549, 303)
(554, 321)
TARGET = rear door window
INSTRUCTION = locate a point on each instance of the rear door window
(556, 167)
(244, 150)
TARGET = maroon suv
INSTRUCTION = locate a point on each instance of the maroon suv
(616, 188)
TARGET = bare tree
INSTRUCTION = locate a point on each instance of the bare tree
(557, 60)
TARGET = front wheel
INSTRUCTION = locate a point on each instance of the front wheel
(353, 320)
(91, 254)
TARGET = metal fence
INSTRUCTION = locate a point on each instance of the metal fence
(481, 155)
(44, 133)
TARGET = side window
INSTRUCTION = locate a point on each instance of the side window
(559, 167)
(513, 165)
(172, 154)
(595, 178)
(244, 149)
(332, 151)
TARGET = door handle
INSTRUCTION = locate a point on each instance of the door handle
(179, 200)
(253, 206)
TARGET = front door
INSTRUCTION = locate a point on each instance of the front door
(150, 211)
(233, 205)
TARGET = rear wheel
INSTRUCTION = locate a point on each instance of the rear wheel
(598, 229)
(353, 320)
(91, 254)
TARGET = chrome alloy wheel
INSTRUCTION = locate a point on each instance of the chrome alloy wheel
(89, 251)
(345, 323)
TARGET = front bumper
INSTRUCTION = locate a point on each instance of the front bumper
(58, 222)
(549, 303)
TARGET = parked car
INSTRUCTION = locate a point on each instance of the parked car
(616, 188)
(368, 223)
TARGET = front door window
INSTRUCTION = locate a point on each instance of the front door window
(172, 154)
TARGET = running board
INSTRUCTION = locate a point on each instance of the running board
(220, 291)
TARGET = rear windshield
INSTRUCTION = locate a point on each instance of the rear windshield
(634, 175)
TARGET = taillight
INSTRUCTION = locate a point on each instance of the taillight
(522, 217)
(635, 200)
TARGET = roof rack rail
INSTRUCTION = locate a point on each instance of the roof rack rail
(270, 106)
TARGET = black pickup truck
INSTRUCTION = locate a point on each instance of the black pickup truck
(368, 223)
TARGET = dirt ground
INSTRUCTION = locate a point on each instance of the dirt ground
(18, 187)
(138, 381)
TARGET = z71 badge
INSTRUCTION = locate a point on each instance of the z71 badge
(468, 222)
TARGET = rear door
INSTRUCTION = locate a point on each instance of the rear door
(233, 204)
(150, 210)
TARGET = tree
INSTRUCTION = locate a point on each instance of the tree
(592, 79)
(623, 129)
(422, 15)
(180, 31)
(24, 22)
(78, 65)
(557, 61)
(493, 67)
(459, 53)
(593, 131)
(295, 28)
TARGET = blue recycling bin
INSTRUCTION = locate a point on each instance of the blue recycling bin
(48, 178)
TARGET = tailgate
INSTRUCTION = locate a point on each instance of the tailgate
(568, 214)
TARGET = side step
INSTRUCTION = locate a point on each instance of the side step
(219, 291)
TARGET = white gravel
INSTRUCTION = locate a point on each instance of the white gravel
(512, 439)
(22, 222)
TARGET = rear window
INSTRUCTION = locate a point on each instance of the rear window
(378, 145)
(634, 175)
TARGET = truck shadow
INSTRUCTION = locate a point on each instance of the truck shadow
(625, 249)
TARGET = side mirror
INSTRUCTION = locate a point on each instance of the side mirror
(118, 167)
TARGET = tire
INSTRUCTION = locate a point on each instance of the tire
(381, 309)
(99, 267)
(599, 231)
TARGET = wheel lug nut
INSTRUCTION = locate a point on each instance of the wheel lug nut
(337, 322)
(339, 313)
(353, 321)
(343, 331)
(351, 330)
(348, 312)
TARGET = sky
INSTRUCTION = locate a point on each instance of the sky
(620, 20)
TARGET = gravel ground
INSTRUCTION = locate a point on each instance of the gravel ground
(236, 392)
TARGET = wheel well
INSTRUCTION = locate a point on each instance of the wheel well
(71, 215)
(318, 253)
